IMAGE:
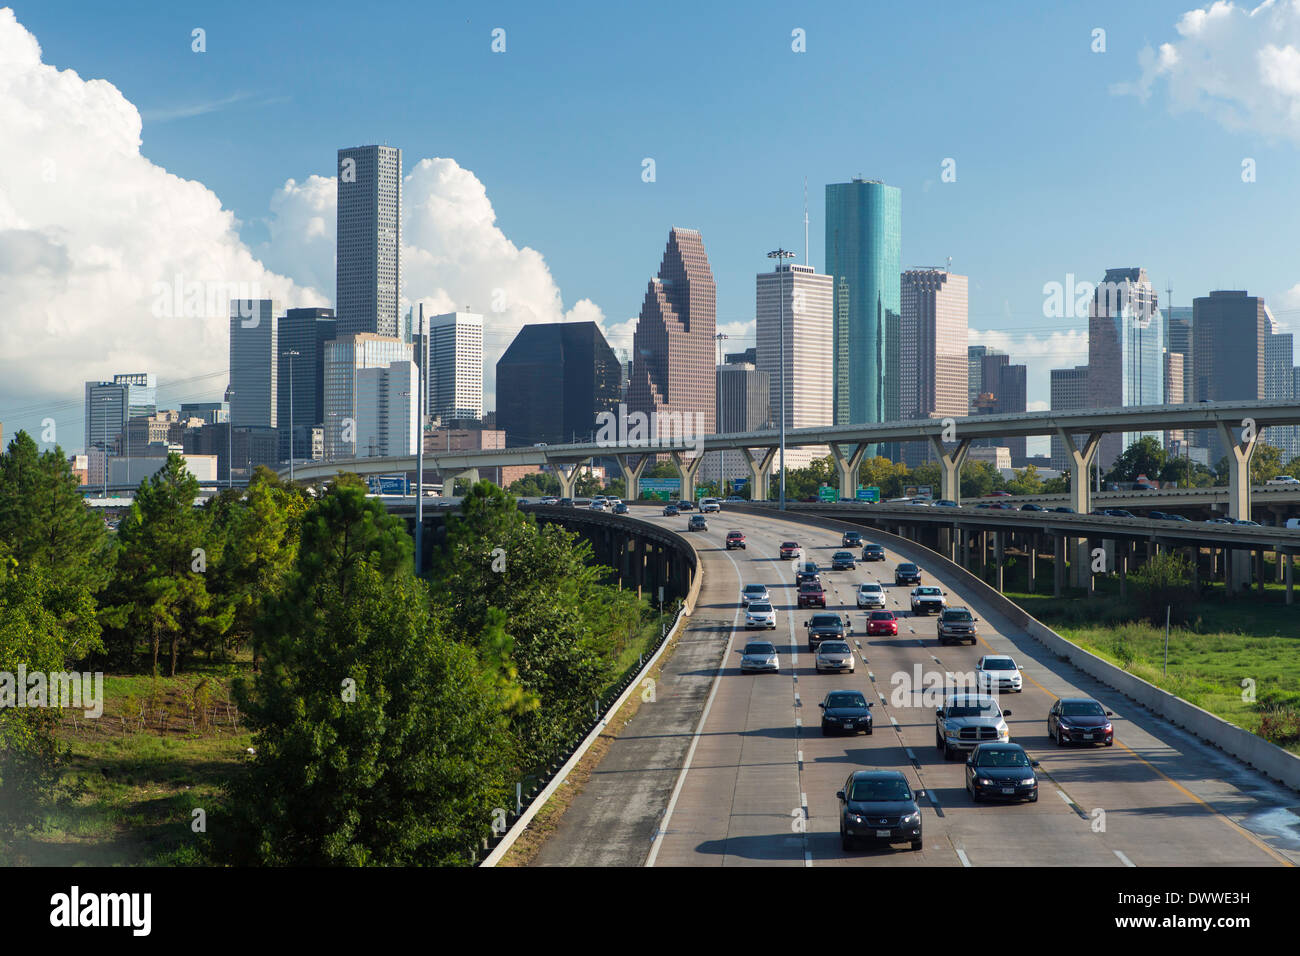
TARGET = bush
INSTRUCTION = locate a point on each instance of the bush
(1164, 582)
(1281, 726)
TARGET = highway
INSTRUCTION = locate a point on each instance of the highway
(728, 769)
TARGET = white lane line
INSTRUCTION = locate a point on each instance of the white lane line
(965, 860)
(799, 754)
(1125, 860)
(910, 756)
(807, 857)
(803, 802)
(893, 721)
(1068, 801)
(870, 675)
(798, 722)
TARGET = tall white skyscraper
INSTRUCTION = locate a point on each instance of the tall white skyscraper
(805, 298)
(455, 364)
(386, 410)
(368, 267)
(933, 363)
(344, 358)
(254, 362)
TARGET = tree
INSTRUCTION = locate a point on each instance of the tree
(884, 474)
(1292, 468)
(535, 485)
(1143, 457)
(1265, 463)
(159, 589)
(979, 478)
(805, 482)
(1026, 481)
(1164, 582)
(379, 740)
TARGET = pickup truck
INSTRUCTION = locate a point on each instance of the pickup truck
(967, 720)
(824, 627)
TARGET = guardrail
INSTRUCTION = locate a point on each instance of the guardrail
(631, 680)
(1268, 758)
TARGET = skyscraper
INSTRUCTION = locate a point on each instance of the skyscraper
(1125, 352)
(1069, 394)
(454, 359)
(975, 355)
(933, 365)
(110, 405)
(673, 349)
(344, 358)
(304, 331)
(1003, 391)
(804, 299)
(1178, 338)
(863, 250)
(743, 394)
(1174, 368)
(386, 409)
(1229, 329)
(1279, 386)
(552, 382)
(254, 363)
(368, 266)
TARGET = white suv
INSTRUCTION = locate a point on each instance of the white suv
(871, 595)
(760, 614)
(998, 672)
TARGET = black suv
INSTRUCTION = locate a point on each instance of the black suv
(956, 624)
(907, 574)
(685, 505)
(873, 552)
(808, 571)
(851, 539)
(879, 805)
(846, 710)
(824, 627)
(843, 561)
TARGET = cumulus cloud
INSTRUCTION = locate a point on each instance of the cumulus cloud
(1238, 64)
(92, 233)
(1064, 349)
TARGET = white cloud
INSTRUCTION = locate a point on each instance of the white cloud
(1041, 354)
(1237, 64)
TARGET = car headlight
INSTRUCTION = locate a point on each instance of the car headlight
(1004, 733)
(983, 781)
(911, 818)
(1106, 729)
(952, 733)
(1029, 782)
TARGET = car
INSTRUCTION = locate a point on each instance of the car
(759, 656)
(956, 624)
(811, 594)
(1157, 515)
(873, 552)
(760, 614)
(946, 503)
(1119, 513)
(808, 571)
(697, 523)
(1080, 720)
(566, 502)
(549, 500)
(735, 539)
(710, 506)
(879, 805)
(1170, 516)
(1032, 507)
(1063, 510)
(907, 573)
(881, 623)
(998, 672)
(998, 494)
(1218, 521)
(790, 549)
(1246, 521)
(824, 627)
(686, 505)
(843, 561)
(871, 594)
(834, 656)
(598, 498)
(613, 500)
(851, 539)
(735, 500)
(670, 511)
(753, 592)
(1283, 480)
(1001, 771)
(620, 508)
(597, 505)
(847, 711)
(923, 502)
(927, 599)
(967, 720)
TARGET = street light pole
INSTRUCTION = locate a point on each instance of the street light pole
(778, 255)
(290, 355)
(230, 439)
(422, 355)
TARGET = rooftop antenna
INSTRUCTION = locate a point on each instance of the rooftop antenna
(805, 220)
(948, 268)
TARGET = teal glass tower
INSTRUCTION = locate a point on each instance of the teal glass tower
(864, 238)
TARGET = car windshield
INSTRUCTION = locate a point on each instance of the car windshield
(834, 647)
(927, 592)
(1082, 708)
(825, 620)
(882, 615)
(1002, 758)
(956, 616)
(760, 608)
(846, 699)
(810, 586)
(760, 648)
(876, 790)
(843, 554)
(907, 567)
(734, 534)
(790, 544)
(972, 708)
(755, 589)
(999, 664)
(869, 587)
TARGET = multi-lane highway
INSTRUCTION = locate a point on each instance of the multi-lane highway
(732, 769)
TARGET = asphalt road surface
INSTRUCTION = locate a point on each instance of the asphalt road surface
(731, 769)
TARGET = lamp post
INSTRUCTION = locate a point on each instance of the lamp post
(230, 438)
(778, 255)
(290, 354)
(106, 398)
(422, 354)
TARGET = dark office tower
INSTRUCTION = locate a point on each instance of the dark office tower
(863, 249)
(368, 265)
(1229, 330)
(304, 331)
(673, 348)
(1069, 394)
(1279, 386)
(1178, 338)
(553, 381)
(1003, 391)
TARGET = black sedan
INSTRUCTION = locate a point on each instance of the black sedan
(670, 511)
(1001, 772)
(808, 571)
(1080, 720)
(1032, 507)
(880, 806)
(907, 573)
(851, 539)
(620, 508)
(845, 710)
(843, 561)
(873, 552)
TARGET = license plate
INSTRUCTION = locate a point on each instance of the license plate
(882, 833)
(1008, 789)
(1087, 736)
(848, 723)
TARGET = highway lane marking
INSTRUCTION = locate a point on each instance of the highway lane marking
(799, 755)
(894, 722)
(798, 722)
(1123, 859)
(965, 860)
(797, 703)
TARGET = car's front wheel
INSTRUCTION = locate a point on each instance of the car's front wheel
(916, 844)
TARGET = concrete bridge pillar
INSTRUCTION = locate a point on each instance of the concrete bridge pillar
(1033, 560)
(848, 467)
(950, 466)
(632, 474)
(1081, 460)
(1240, 451)
(687, 468)
(1290, 564)
(998, 555)
(760, 471)
(1058, 565)
(567, 472)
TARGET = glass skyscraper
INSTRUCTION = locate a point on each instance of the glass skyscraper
(864, 238)
(368, 270)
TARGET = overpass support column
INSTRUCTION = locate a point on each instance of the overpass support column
(950, 466)
(848, 468)
(1239, 454)
(1121, 565)
(760, 470)
(687, 468)
(568, 475)
(1290, 563)
(1080, 496)
(1259, 569)
(998, 554)
(1058, 565)
(632, 475)
(1033, 560)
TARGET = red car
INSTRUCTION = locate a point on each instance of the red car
(812, 595)
(735, 539)
(790, 549)
(882, 622)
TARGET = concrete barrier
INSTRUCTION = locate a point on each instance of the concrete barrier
(1268, 758)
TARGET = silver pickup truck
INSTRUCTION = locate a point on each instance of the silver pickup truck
(967, 720)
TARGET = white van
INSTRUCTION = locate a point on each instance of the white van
(1293, 523)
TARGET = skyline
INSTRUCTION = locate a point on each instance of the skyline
(553, 269)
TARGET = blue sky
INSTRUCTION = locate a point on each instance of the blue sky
(1056, 172)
